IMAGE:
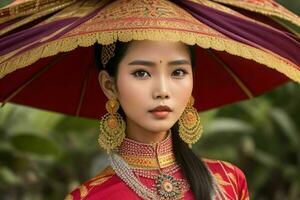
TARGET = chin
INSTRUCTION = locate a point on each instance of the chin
(159, 128)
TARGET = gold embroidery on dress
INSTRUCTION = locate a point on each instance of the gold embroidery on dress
(150, 163)
(233, 179)
(244, 195)
(221, 183)
(220, 180)
(83, 191)
(104, 175)
(227, 164)
(69, 197)
(229, 177)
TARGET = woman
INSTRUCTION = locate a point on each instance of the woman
(148, 142)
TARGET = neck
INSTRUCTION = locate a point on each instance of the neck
(148, 156)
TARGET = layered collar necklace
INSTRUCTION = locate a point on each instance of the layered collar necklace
(154, 161)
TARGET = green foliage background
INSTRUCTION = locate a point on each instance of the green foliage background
(44, 155)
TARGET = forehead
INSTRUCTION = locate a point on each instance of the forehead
(157, 50)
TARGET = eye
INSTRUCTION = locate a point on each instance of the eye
(179, 72)
(140, 74)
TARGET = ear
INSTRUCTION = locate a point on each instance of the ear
(107, 84)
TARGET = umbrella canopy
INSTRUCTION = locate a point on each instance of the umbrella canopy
(47, 59)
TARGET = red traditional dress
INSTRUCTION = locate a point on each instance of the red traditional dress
(143, 160)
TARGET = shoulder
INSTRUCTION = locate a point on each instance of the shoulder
(87, 188)
(219, 166)
(231, 178)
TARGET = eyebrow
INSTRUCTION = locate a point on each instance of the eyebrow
(152, 64)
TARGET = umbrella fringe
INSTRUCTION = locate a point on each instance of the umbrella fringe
(69, 43)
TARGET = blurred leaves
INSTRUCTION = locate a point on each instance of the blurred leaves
(264, 141)
(5, 3)
(35, 144)
(44, 153)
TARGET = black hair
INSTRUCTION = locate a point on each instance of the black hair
(193, 167)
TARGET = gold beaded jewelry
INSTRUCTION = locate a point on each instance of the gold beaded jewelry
(112, 127)
(190, 128)
(108, 51)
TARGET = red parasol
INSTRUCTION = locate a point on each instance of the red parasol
(47, 60)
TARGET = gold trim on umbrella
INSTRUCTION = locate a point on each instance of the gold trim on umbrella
(68, 44)
(162, 20)
(265, 7)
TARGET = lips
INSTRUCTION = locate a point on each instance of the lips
(161, 108)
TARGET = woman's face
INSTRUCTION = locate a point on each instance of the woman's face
(151, 74)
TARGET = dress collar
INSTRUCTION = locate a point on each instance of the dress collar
(148, 156)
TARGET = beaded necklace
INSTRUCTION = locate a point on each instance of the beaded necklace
(154, 161)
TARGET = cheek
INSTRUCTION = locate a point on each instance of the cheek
(183, 89)
(182, 94)
(130, 93)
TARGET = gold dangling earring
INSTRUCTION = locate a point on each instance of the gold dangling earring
(112, 127)
(190, 128)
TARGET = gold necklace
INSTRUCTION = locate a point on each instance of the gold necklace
(155, 161)
(166, 186)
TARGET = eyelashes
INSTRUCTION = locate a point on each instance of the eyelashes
(140, 73)
(183, 72)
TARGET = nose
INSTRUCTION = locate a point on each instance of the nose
(161, 89)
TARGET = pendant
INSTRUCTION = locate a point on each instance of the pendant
(167, 186)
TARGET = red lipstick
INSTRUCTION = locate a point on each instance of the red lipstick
(161, 108)
(161, 111)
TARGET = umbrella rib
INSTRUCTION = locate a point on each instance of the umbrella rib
(82, 93)
(39, 73)
(242, 86)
